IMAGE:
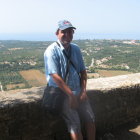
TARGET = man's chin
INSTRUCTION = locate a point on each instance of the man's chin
(67, 42)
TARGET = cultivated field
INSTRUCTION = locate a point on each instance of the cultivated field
(12, 86)
(107, 73)
(110, 73)
(34, 77)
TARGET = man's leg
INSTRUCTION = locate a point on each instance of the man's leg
(76, 136)
(90, 131)
(88, 119)
(72, 120)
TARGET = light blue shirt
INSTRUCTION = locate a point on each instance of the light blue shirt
(56, 62)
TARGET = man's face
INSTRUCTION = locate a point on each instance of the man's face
(65, 36)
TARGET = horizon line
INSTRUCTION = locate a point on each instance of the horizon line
(77, 36)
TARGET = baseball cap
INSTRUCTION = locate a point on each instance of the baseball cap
(64, 24)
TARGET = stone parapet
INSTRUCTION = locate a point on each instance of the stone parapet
(115, 101)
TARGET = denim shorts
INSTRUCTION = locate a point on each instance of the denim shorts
(74, 117)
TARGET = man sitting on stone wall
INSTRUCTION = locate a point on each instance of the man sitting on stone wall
(75, 106)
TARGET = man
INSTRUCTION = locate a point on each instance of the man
(76, 106)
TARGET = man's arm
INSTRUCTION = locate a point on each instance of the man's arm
(83, 95)
(62, 85)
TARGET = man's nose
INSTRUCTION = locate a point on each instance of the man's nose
(69, 34)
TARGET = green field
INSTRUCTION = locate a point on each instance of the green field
(103, 58)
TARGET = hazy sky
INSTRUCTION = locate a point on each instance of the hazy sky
(89, 16)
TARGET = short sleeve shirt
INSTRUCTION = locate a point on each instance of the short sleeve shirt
(56, 63)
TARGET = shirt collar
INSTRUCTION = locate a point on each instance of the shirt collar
(61, 46)
(68, 51)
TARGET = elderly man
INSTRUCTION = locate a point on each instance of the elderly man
(63, 57)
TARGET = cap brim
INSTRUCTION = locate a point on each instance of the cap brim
(67, 28)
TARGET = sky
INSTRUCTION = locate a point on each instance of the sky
(37, 19)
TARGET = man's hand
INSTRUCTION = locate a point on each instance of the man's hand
(83, 96)
(73, 101)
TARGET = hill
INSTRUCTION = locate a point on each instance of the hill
(122, 56)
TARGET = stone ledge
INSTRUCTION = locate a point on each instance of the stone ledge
(113, 82)
(115, 101)
(106, 84)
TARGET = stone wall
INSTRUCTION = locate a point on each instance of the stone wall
(115, 101)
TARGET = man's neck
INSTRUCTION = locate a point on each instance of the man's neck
(66, 46)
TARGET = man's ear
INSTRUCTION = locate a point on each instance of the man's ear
(57, 32)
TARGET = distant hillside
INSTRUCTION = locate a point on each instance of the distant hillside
(17, 56)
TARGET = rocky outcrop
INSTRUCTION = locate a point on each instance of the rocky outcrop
(115, 101)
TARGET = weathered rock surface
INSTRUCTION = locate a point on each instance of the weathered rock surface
(115, 101)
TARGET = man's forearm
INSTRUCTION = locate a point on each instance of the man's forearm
(83, 80)
(61, 84)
